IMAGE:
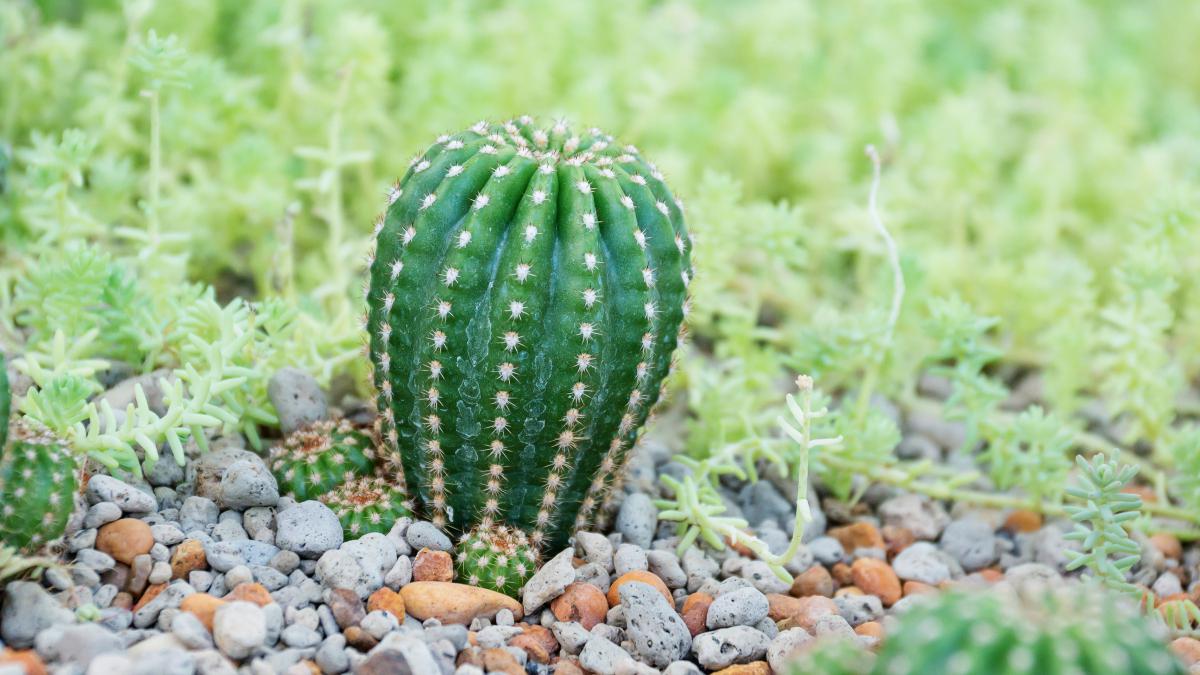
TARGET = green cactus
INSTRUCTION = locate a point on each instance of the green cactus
(500, 559)
(38, 481)
(368, 505)
(526, 294)
(1037, 630)
(833, 655)
(314, 460)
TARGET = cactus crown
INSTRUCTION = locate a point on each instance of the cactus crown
(368, 505)
(500, 559)
(316, 459)
(38, 480)
(526, 294)
(1038, 629)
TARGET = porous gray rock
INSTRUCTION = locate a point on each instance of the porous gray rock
(629, 558)
(297, 398)
(637, 519)
(423, 534)
(658, 633)
(728, 646)
(743, 607)
(594, 548)
(549, 582)
(239, 628)
(921, 562)
(129, 499)
(308, 529)
(190, 631)
(924, 517)
(248, 483)
(77, 644)
(27, 611)
(971, 542)
(859, 609)
(665, 565)
(198, 513)
(785, 647)
(602, 657)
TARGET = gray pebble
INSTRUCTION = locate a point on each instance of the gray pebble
(259, 522)
(190, 631)
(744, 607)
(827, 550)
(224, 555)
(758, 573)
(248, 483)
(300, 636)
(271, 578)
(595, 548)
(785, 647)
(95, 560)
(237, 576)
(602, 657)
(971, 542)
(921, 562)
(629, 558)
(160, 573)
(160, 553)
(833, 624)
(698, 567)
(636, 519)
(167, 534)
(549, 582)
(297, 398)
(505, 617)
(78, 644)
(200, 580)
(229, 530)
(859, 609)
(684, 668)
(665, 565)
(658, 633)
(198, 513)
(239, 628)
(101, 514)
(102, 488)
(400, 574)
(423, 534)
(331, 656)
(924, 517)
(1166, 584)
(571, 635)
(338, 569)
(594, 574)
(273, 618)
(147, 614)
(308, 529)
(728, 646)
(81, 540)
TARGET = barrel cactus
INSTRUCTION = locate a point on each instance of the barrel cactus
(368, 505)
(500, 558)
(527, 291)
(38, 481)
(314, 460)
(1078, 629)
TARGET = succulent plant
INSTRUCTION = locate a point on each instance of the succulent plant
(1038, 629)
(38, 481)
(368, 505)
(526, 294)
(315, 459)
(832, 655)
(500, 559)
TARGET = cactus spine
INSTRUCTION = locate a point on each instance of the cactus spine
(314, 460)
(500, 559)
(526, 294)
(368, 505)
(38, 481)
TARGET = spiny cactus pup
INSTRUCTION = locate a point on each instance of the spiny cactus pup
(526, 295)
(368, 505)
(500, 559)
(314, 460)
(38, 482)
(1036, 630)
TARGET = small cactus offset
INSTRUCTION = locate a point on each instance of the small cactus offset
(526, 294)
(368, 505)
(1038, 629)
(314, 460)
(500, 559)
(38, 481)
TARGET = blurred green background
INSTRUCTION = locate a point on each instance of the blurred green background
(1041, 159)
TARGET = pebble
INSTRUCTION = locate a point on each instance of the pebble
(77, 644)
(827, 550)
(921, 562)
(192, 632)
(833, 625)
(665, 566)
(875, 577)
(198, 513)
(300, 637)
(167, 534)
(203, 606)
(924, 517)
(859, 609)
(549, 582)
(423, 534)
(454, 603)
(582, 603)
(400, 574)
(760, 575)
(308, 529)
(101, 513)
(331, 656)
(239, 628)
(433, 566)
(971, 542)
(95, 560)
(387, 600)
(658, 634)
(638, 577)
(247, 483)
(102, 488)
(346, 607)
(571, 635)
(802, 612)
(602, 657)
(630, 558)
(224, 555)
(816, 580)
(297, 398)
(1166, 584)
(785, 647)
(637, 519)
(743, 607)
(723, 648)
(594, 548)
(695, 612)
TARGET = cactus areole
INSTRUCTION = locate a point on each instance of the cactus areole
(527, 291)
